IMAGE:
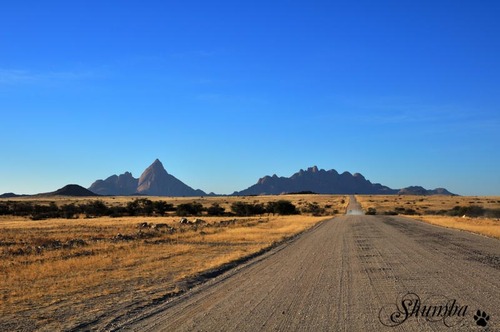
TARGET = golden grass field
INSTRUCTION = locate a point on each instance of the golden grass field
(56, 274)
(60, 274)
(423, 205)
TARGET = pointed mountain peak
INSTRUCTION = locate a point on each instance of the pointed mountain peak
(157, 162)
(155, 181)
(156, 166)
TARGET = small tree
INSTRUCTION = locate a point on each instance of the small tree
(95, 208)
(247, 209)
(140, 207)
(68, 211)
(161, 207)
(284, 207)
(133, 208)
(146, 206)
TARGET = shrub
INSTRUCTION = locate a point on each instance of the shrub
(4, 209)
(189, 209)
(41, 212)
(247, 209)
(314, 209)
(68, 211)
(492, 213)
(371, 211)
(118, 211)
(469, 211)
(161, 207)
(95, 208)
(281, 207)
(390, 213)
(215, 210)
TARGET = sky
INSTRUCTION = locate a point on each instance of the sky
(225, 92)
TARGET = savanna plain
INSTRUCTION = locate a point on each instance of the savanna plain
(72, 272)
(68, 273)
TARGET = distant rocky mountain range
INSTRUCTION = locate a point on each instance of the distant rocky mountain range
(154, 181)
(329, 182)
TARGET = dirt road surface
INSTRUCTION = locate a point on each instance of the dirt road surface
(350, 273)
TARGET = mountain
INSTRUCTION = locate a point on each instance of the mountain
(116, 185)
(71, 190)
(417, 190)
(323, 182)
(11, 195)
(154, 181)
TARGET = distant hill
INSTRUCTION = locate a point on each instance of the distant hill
(417, 190)
(71, 190)
(154, 181)
(11, 195)
(328, 182)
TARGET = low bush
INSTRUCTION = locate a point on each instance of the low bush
(189, 209)
(371, 211)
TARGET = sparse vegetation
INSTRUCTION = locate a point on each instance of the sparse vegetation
(281, 207)
(189, 209)
(314, 209)
(371, 211)
(475, 214)
(121, 250)
(216, 210)
(247, 209)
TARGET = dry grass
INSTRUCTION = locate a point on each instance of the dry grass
(424, 205)
(484, 226)
(58, 273)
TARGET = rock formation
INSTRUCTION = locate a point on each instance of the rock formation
(328, 182)
(154, 181)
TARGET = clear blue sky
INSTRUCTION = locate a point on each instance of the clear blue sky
(224, 92)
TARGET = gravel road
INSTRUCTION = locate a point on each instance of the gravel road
(350, 273)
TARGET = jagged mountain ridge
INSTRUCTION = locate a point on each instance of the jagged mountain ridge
(116, 185)
(154, 181)
(417, 190)
(328, 182)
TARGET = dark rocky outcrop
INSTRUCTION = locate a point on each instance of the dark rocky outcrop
(327, 182)
(154, 181)
(417, 190)
(116, 185)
